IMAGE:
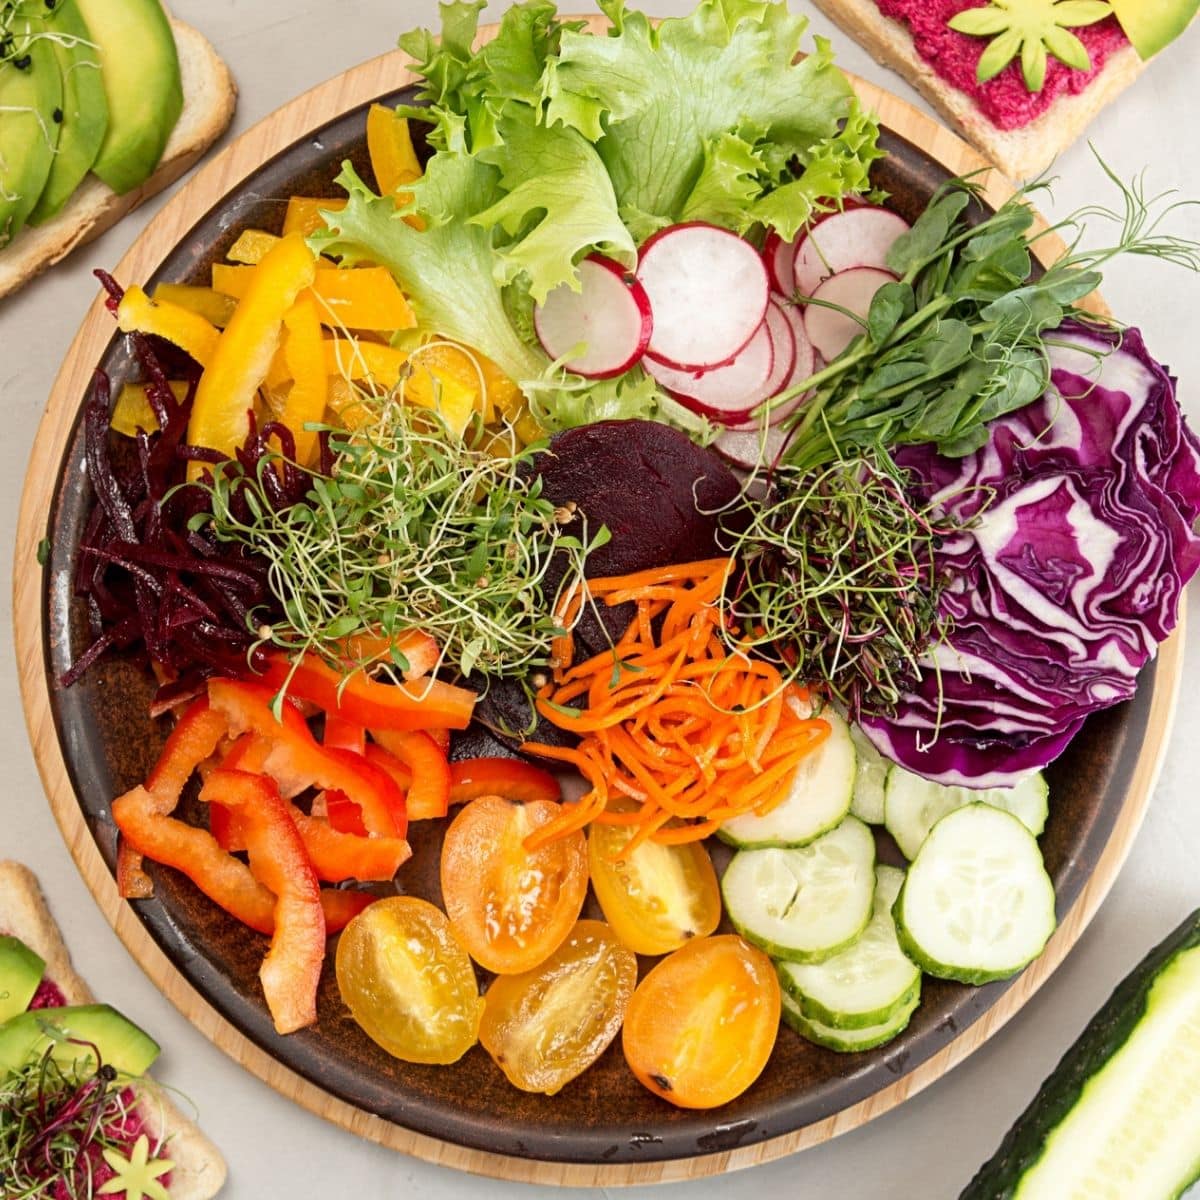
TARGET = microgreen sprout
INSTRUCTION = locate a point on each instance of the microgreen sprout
(411, 528)
(56, 1121)
(839, 583)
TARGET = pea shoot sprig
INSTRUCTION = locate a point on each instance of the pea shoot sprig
(956, 341)
(411, 529)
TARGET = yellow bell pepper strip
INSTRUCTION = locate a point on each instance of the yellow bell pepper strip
(195, 336)
(384, 367)
(304, 214)
(133, 410)
(365, 298)
(239, 364)
(347, 406)
(389, 144)
(291, 971)
(214, 307)
(304, 353)
(251, 246)
(450, 361)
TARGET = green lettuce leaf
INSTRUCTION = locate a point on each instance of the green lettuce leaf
(447, 270)
(566, 402)
(558, 204)
(683, 108)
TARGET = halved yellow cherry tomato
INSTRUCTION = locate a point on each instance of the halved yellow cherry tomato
(550, 1024)
(659, 897)
(509, 906)
(408, 982)
(702, 1024)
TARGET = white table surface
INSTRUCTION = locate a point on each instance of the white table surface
(929, 1147)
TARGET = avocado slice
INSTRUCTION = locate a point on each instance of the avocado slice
(30, 94)
(121, 1043)
(1151, 27)
(84, 111)
(142, 83)
(21, 972)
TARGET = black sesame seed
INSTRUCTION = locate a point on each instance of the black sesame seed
(23, 63)
(58, 116)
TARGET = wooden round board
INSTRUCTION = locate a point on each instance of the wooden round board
(384, 76)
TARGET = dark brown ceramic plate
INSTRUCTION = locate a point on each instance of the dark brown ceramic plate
(605, 1117)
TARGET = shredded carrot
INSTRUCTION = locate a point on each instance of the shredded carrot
(677, 732)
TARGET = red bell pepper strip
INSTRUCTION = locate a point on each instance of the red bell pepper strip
(193, 740)
(418, 649)
(225, 880)
(442, 738)
(341, 734)
(335, 855)
(221, 877)
(419, 705)
(341, 906)
(297, 762)
(291, 971)
(429, 794)
(511, 778)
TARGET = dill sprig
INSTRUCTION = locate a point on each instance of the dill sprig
(55, 1122)
(412, 529)
(839, 584)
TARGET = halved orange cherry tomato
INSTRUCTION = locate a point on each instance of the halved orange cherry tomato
(511, 907)
(658, 897)
(702, 1024)
(408, 982)
(550, 1024)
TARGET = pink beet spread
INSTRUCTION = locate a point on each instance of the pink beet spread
(48, 996)
(1005, 100)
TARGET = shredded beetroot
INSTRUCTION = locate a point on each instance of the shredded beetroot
(149, 571)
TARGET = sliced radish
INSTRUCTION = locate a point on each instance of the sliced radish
(750, 449)
(779, 257)
(609, 315)
(728, 393)
(858, 237)
(708, 292)
(831, 331)
(783, 343)
(805, 363)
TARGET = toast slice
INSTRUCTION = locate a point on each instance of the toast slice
(1020, 153)
(199, 1170)
(209, 98)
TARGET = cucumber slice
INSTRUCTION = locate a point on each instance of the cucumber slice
(804, 903)
(913, 806)
(850, 1041)
(1120, 1115)
(818, 796)
(870, 779)
(867, 983)
(977, 904)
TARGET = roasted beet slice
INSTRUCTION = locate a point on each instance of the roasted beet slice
(658, 493)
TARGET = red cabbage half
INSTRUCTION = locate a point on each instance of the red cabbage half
(1081, 509)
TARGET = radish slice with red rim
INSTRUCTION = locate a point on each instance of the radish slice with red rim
(708, 291)
(779, 257)
(609, 315)
(805, 362)
(858, 237)
(727, 393)
(783, 343)
(745, 448)
(831, 331)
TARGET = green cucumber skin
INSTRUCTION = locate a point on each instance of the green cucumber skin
(798, 1023)
(1000, 1177)
(815, 1011)
(792, 953)
(780, 843)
